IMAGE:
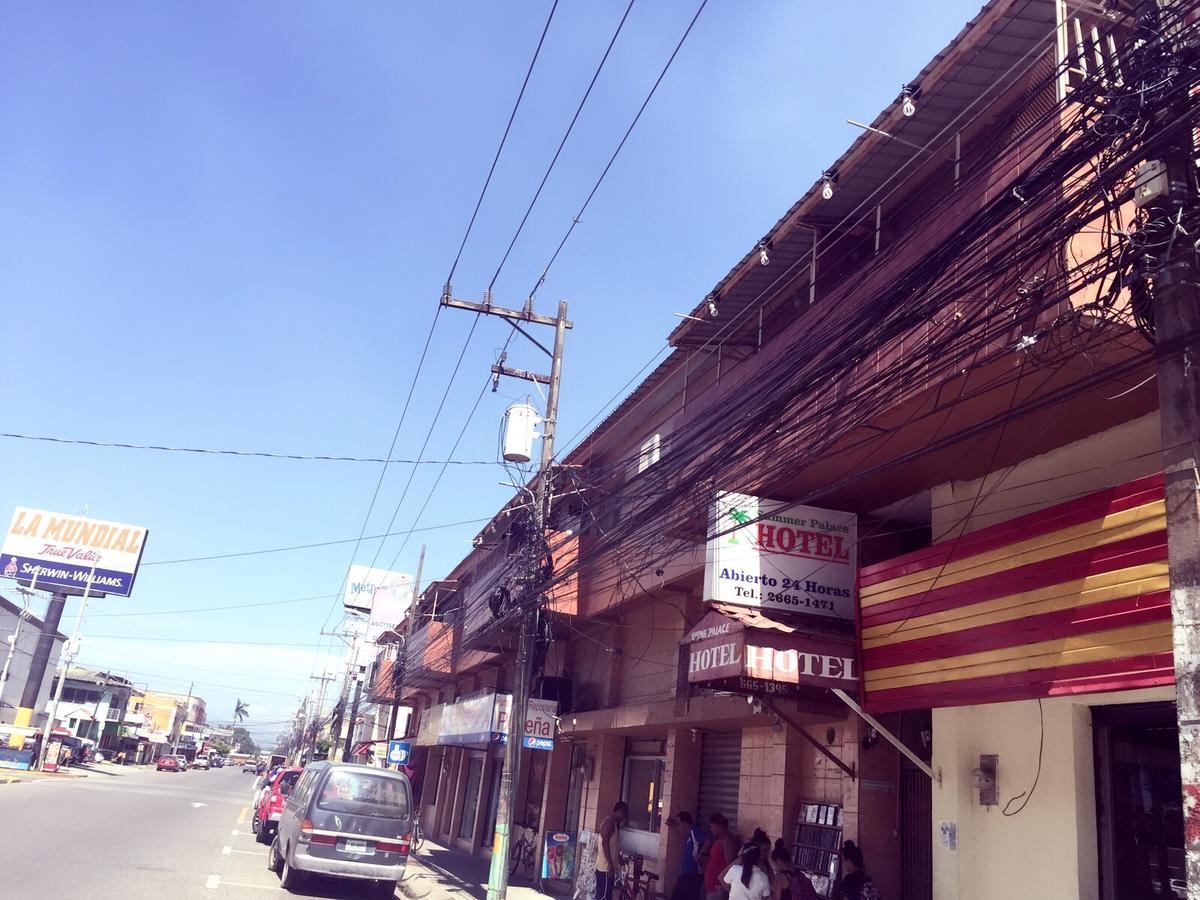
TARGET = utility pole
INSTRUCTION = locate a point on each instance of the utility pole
(1167, 189)
(64, 666)
(358, 680)
(187, 705)
(528, 613)
(399, 663)
(26, 595)
(316, 719)
(1177, 333)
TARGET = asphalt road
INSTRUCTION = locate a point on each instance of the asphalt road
(135, 834)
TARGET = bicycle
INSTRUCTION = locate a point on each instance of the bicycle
(521, 855)
(636, 883)
(418, 837)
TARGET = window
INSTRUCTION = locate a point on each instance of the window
(364, 794)
(643, 792)
(650, 452)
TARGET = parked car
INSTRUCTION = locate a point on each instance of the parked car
(218, 762)
(249, 766)
(168, 764)
(201, 762)
(270, 803)
(184, 765)
(345, 820)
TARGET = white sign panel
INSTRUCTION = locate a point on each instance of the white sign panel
(65, 551)
(384, 595)
(781, 556)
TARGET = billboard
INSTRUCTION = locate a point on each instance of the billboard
(776, 555)
(63, 551)
(384, 596)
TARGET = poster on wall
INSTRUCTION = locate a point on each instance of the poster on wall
(558, 857)
(585, 863)
(777, 555)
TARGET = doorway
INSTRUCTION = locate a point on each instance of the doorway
(1139, 801)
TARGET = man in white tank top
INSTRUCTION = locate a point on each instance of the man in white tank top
(608, 855)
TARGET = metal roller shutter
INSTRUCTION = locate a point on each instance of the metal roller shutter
(720, 775)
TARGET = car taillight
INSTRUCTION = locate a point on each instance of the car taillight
(306, 831)
(324, 839)
(400, 846)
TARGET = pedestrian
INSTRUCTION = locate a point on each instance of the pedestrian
(745, 878)
(854, 884)
(719, 851)
(763, 842)
(120, 757)
(788, 884)
(608, 856)
(690, 881)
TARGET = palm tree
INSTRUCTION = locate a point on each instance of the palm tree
(240, 710)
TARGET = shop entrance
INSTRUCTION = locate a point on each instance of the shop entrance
(1139, 806)
(470, 807)
(720, 775)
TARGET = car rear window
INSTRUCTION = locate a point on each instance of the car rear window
(364, 794)
(287, 781)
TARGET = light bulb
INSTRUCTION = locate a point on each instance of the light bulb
(909, 108)
(827, 189)
(712, 308)
(763, 259)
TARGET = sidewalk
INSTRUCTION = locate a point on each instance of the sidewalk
(438, 873)
(12, 776)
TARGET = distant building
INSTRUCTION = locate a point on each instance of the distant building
(27, 629)
(92, 705)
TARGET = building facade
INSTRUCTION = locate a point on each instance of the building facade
(938, 350)
(18, 639)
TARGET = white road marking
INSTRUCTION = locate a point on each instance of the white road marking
(235, 832)
(214, 881)
(244, 884)
(198, 805)
(226, 849)
(249, 852)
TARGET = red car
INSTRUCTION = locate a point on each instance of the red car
(270, 804)
(168, 764)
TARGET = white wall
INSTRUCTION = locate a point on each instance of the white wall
(1116, 456)
(1049, 848)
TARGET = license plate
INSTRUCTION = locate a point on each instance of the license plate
(360, 847)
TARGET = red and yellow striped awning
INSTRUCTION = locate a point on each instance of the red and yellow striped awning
(1071, 599)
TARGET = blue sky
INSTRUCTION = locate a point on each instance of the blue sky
(227, 225)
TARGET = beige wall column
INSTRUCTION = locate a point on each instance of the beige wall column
(681, 790)
(605, 788)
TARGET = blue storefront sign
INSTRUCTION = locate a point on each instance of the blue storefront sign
(399, 752)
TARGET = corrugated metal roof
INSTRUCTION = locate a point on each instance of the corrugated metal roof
(987, 56)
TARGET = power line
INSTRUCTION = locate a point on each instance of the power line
(575, 220)
(503, 139)
(260, 454)
(562, 143)
(372, 537)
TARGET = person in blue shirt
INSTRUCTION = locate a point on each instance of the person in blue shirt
(690, 883)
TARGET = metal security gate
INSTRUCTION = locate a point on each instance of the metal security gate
(720, 775)
(916, 835)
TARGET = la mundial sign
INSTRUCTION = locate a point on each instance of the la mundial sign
(776, 555)
(63, 552)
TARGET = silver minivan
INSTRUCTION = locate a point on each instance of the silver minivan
(345, 820)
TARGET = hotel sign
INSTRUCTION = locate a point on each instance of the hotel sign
(725, 653)
(776, 555)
